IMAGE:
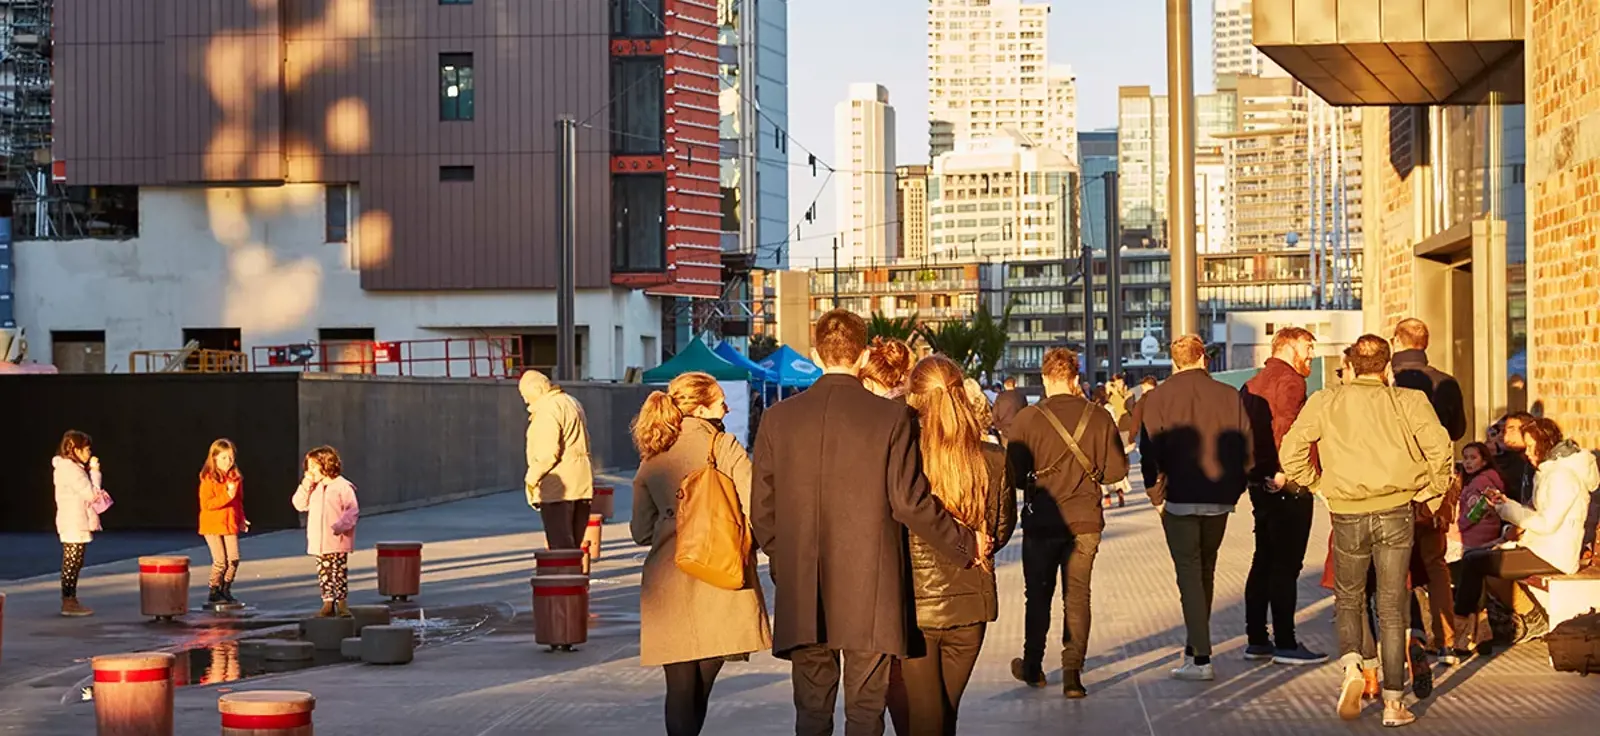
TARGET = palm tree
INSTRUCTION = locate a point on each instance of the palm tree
(898, 328)
(989, 341)
(955, 340)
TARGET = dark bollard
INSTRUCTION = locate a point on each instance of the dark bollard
(164, 586)
(266, 713)
(133, 694)
(560, 610)
(399, 569)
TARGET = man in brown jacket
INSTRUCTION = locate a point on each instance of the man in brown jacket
(560, 479)
(836, 484)
(1380, 450)
(1062, 518)
(1283, 512)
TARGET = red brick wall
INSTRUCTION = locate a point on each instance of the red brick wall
(1564, 208)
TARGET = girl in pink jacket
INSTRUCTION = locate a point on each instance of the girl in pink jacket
(329, 501)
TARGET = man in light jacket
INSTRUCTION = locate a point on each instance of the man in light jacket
(1381, 450)
(560, 480)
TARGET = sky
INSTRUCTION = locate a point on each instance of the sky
(833, 43)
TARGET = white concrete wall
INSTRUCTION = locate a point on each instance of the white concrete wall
(254, 259)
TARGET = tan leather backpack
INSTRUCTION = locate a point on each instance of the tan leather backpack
(713, 536)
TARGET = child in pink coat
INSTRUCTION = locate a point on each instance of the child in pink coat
(329, 500)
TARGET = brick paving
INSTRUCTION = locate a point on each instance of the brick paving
(497, 682)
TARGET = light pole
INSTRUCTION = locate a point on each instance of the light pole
(1180, 152)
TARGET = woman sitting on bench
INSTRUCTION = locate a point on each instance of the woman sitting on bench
(1552, 531)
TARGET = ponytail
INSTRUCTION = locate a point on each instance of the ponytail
(657, 425)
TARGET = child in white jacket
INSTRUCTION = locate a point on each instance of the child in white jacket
(78, 491)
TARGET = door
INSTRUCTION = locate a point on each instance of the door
(78, 351)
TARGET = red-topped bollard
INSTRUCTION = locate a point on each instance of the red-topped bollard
(560, 610)
(266, 713)
(133, 694)
(399, 569)
(560, 562)
(604, 503)
(164, 586)
(591, 539)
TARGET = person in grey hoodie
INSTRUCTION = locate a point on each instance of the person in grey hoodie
(1552, 530)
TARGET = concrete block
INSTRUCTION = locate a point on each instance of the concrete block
(351, 648)
(386, 644)
(326, 633)
(290, 651)
(365, 616)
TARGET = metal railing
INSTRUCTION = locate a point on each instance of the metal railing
(188, 359)
(449, 357)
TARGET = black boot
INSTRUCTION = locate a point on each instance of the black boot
(1072, 685)
(1030, 675)
(227, 582)
(216, 596)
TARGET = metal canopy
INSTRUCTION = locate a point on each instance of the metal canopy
(1396, 52)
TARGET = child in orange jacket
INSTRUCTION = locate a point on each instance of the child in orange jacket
(222, 517)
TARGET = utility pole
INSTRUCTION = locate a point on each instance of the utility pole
(1108, 181)
(835, 272)
(1180, 152)
(1089, 363)
(566, 258)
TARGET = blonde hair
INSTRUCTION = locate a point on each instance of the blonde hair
(661, 418)
(888, 363)
(951, 439)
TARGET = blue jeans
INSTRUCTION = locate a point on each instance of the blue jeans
(1380, 541)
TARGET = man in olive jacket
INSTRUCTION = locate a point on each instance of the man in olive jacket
(1062, 518)
(1381, 450)
(837, 481)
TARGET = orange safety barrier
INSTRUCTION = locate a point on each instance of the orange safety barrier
(188, 361)
(448, 357)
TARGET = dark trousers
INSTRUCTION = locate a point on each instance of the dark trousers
(1043, 557)
(688, 694)
(1193, 542)
(1381, 542)
(564, 523)
(1283, 528)
(1505, 564)
(926, 698)
(816, 690)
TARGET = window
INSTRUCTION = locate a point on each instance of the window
(455, 86)
(456, 173)
(348, 349)
(639, 225)
(636, 18)
(336, 221)
(455, 2)
(637, 114)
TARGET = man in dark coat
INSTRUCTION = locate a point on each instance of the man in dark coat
(837, 481)
(1283, 512)
(1006, 405)
(1196, 438)
(1411, 370)
(1062, 518)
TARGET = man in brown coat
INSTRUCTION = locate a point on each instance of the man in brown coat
(837, 482)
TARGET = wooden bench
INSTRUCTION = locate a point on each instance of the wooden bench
(1566, 596)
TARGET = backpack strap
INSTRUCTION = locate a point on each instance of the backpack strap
(1073, 446)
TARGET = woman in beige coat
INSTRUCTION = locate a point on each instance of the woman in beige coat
(687, 626)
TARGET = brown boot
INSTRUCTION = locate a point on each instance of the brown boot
(71, 608)
(342, 610)
(1372, 688)
(327, 610)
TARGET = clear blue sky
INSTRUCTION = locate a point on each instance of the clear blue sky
(832, 43)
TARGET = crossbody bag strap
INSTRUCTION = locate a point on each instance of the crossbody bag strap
(1073, 446)
(1413, 445)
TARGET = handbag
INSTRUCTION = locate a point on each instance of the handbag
(101, 503)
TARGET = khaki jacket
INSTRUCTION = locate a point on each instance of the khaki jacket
(558, 450)
(1379, 448)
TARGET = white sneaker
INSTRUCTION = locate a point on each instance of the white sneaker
(1195, 672)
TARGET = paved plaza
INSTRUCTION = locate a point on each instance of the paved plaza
(479, 672)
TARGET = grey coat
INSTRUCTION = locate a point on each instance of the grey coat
(682, 619)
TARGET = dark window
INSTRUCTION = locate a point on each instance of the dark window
(637, 114)
(639, 224)
(78, 351)
(456, 173)
(455, 86)
(636, 18)
(455, 2)
(348, 349)
(336, 221)
(211, 338)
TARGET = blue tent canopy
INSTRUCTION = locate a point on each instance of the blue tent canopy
(729, 353)
(791, 368)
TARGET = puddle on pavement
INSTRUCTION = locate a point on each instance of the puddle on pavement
(213, 655)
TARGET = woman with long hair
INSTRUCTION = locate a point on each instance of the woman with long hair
(889, 363)
(222, 517)
(686, 626)
(954, 604)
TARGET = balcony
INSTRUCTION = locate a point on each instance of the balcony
(1397, 52)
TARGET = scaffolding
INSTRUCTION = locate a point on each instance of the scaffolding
(40, 208)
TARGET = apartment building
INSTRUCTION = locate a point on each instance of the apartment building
(911, 208)
(988, 74)
(1002, 198)
(1231, 49)
(308, 170)
(1142, 158)
(930, 291)
(866, 189)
